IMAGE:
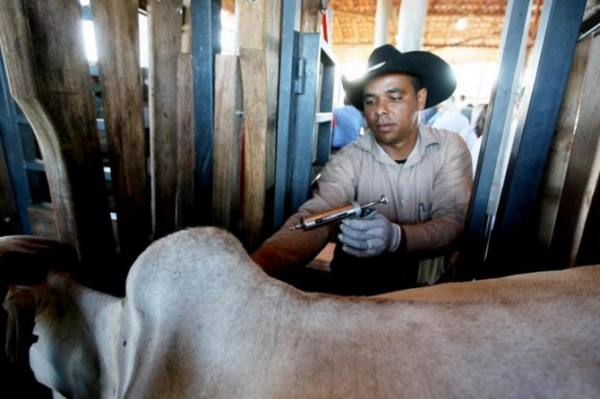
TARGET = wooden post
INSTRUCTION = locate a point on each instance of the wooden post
(562, 144)
(259, 35)
(186, 139)
(164, 25)
(581, 181)
(227, 143)
(50, 80)
(117, 40)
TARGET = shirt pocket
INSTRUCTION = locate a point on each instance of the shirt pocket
(423, 213)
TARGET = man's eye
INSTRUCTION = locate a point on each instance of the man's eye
(396, 98)
(369, 101)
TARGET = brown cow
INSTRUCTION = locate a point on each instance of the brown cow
(201, 320)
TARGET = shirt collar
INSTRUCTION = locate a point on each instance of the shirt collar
(426, 137)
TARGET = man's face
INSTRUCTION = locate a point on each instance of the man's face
(391, 107)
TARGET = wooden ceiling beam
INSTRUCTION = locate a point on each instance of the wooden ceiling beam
(358, 14)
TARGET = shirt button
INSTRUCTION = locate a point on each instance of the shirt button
(402, 201)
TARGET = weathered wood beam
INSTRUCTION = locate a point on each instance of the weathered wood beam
(50, 80)
(186, 139)
(227, 143)
(259, 37)
(186, 143)
(560, 150)
(582, 176)
(164, 25)
(117, 41)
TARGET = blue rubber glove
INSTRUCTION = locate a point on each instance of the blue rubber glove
(369, 237)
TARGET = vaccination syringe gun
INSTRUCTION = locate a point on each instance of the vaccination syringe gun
(351, 209)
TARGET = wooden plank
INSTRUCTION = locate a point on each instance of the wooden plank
(164, 25)
(227, 143)
(186, 143)
(186, 139)
(584, 167)
(42, 220)
(560, 149)
(49, 79)
(43, 223)
(259, 28)
(117, 41)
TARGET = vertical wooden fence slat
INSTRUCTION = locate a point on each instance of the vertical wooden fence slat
(584, 167)
(117, 41)
(227, 143)
(50, 80)
(186, 139)
(164, 25)
(259, 36)
(562, 143)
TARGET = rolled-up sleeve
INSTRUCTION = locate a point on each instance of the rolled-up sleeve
(288, 249)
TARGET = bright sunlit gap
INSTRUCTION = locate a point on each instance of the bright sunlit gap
(89, 37)
(228, 43)
(461, 24)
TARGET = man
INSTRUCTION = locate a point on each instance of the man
(425, 173)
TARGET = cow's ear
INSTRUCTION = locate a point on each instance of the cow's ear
(26, 260)
(20, 305)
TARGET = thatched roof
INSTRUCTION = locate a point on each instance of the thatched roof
(354, 26)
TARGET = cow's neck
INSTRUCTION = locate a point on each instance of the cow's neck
(78, 321)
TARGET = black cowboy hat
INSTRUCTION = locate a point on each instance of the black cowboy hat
(435, 73)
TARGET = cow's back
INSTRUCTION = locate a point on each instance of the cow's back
(245, 334)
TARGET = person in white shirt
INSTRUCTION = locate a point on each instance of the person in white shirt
(449, 117)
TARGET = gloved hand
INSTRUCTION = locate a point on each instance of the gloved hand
(369, 237)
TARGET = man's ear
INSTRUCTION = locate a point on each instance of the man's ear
(422, 98)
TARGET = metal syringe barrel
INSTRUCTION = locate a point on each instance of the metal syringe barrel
(351, 209)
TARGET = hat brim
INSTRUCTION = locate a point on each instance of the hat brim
(435, 75)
